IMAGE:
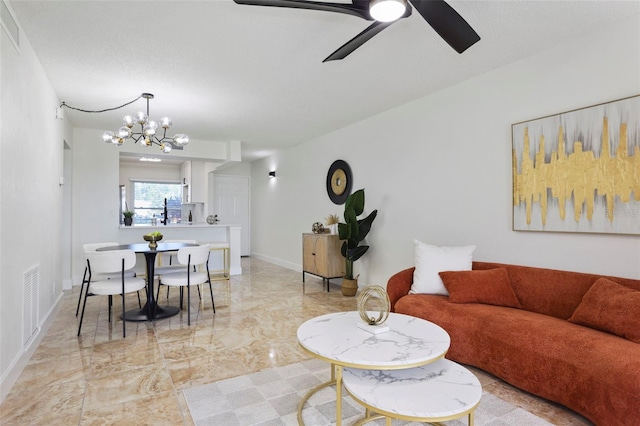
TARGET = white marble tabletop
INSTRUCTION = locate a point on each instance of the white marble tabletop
(439, 391)
(409, 342)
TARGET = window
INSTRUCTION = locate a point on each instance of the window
(149, 201)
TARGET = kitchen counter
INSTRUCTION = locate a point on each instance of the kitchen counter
(175, 225)
(201, 232)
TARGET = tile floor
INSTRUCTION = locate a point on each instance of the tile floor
(101, 378)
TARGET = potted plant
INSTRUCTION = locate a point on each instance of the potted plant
(352, 233)
(128, 217)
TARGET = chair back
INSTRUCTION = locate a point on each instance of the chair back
(110, 261)
(166, 258)
(199, 254)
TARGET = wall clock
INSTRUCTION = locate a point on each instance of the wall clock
(339, 180)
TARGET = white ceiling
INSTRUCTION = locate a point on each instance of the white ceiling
(224, 71)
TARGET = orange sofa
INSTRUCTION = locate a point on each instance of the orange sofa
(570, 337)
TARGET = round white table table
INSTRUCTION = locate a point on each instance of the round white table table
(437, 392)
(337, 338)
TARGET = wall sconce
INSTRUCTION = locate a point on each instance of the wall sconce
(272, 174)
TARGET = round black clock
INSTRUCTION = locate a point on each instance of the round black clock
(339, 180)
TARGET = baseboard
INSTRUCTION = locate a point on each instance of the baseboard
(10, 376)
(279, 262)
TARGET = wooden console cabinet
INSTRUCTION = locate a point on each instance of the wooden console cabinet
(321, 256)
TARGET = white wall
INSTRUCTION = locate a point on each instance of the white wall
(439, 169)
(31, 157)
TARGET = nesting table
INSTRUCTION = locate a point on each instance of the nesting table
(336, 338)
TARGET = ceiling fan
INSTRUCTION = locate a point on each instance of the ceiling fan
(442, 17)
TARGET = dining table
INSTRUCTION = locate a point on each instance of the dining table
(151, 310)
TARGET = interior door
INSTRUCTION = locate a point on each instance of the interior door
(231, 204)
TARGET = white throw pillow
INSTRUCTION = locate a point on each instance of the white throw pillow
(430, 260)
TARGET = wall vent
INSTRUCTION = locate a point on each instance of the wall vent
(31, 305)
(9, 24)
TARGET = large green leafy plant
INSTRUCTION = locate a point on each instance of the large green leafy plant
(354, 230)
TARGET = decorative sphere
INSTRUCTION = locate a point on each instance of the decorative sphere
(317, 228)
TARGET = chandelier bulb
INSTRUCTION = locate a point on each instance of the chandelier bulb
(166, 147)
(165, 122)
(129, 121)
(181, 139)
(141, 118)
(124, 132)
(108, 136)
(150, 128)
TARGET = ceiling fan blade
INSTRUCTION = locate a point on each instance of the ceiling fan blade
(359, 9)
(358, 40)
(447, 23)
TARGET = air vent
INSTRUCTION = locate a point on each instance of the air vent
(31, 297)
(9, 24)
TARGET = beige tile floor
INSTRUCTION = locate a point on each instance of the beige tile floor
(101, 378)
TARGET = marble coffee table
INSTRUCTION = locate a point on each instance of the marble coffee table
(440, 391)
(337, 339)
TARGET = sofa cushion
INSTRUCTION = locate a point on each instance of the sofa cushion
(430, 260)
(491, 286)
(610, 307)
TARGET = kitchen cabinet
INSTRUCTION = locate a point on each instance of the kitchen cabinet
(321, 256)
(185, 171)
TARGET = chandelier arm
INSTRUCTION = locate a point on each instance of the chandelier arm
(64, 104)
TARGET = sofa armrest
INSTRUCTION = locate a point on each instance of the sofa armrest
(399, 285)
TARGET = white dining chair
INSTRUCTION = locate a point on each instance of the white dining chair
(190, 257)
(103, 263)
(168, 263)
(89, 247)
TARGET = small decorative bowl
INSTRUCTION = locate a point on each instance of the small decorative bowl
(153, 240)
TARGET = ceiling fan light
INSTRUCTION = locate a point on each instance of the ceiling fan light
(387, 10)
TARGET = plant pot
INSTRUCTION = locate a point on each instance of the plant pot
(128, 221)
(349, 287)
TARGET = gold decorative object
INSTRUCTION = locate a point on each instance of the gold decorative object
(374, 298)
(153, 240)
(579, 171)
(317, 228)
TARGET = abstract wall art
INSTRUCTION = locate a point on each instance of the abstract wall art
(579, 171)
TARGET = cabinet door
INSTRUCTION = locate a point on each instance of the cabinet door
(309, 253)
(329, 261)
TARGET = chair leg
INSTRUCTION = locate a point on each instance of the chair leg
(168, 292)
(110, 303)
(86, 294)
(84, 278)
(139, 301)
(124, 328)
(211, 291)
(188, 304)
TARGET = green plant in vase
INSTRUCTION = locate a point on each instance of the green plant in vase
(352, 233)
(128, 217)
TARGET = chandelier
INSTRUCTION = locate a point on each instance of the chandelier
(149, 131)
